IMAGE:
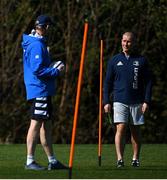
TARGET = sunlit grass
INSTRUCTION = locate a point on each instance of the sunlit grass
(85, 164)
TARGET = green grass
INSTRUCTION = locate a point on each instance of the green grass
(85, 164)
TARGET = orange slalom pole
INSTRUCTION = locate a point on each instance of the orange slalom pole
(78, 98)
(100, 102)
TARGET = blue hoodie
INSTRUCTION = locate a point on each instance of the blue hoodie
(39, 78)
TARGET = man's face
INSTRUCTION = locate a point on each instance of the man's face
(127, 43)
(44, 29)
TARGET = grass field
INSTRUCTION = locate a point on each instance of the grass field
(85, 164)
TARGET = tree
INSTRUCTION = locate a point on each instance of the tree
(108, 17)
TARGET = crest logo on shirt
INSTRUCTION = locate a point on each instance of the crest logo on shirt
(136, 63)
(119, 63)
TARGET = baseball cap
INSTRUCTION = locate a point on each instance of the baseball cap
(43, 20)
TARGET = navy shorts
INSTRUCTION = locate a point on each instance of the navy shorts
(41, 108)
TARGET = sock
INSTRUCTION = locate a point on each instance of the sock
(52, 159)
(134, 159)
(30, 159)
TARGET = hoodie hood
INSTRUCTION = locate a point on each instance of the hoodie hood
(29, 39)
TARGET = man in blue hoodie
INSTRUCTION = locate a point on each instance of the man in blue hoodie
(129, 81)
(39, 79)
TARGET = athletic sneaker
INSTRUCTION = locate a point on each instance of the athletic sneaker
(34, 166)
(135, 163)
(120, 163)
(56, 165)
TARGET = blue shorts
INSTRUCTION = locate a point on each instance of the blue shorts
(124, 113)
(41, 108)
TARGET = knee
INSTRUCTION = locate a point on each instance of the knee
(34, 129)
(44, 143)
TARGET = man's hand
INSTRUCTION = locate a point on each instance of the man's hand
(144, 107)
(107, 108)
(61, 67)
(58, 65)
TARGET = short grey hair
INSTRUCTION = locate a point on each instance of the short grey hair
(131, 34)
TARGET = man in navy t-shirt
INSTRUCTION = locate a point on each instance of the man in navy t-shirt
(128, 79)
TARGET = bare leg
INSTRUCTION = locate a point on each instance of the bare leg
(32, 139)
(46, 141)
(120, 140)
(32, 136)
(136, 140)
(46, 137)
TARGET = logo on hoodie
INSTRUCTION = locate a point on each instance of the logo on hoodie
(37, 56)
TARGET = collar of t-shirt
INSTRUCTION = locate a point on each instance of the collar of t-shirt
(127, 56)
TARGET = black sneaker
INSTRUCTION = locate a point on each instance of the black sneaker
(120, 163)
(34, 166)
(56, 165)
(135, 163)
